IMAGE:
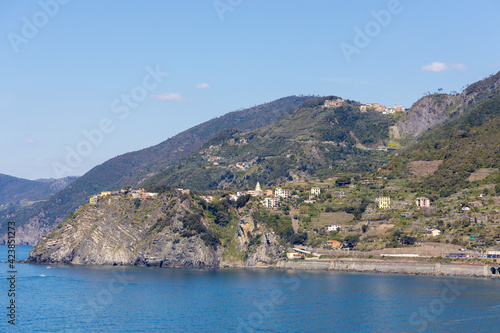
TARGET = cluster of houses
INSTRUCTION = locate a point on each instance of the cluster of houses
(135, 194)
(279, 193)
(433, 232)
(385, 202)
(243, 165)
(381, 108)
(95, 198)
(272, 198)
(333, 103)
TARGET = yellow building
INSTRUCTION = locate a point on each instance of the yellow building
(315, 191)
(384, 202)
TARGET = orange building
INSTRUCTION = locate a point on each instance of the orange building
(333, 244)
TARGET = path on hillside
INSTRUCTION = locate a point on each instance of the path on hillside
(295, 224)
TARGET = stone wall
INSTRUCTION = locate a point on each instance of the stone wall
(392, 267)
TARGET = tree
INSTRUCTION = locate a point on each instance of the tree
(341, 181)
(242, 201)
(440, 224)
(221, 219)
(351, 240)
(298, 238)
(408, 240)
(137, 203)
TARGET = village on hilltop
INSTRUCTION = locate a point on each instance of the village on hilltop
(366, 107)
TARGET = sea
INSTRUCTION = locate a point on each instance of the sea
(67, 298)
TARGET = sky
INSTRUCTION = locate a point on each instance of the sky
(84, 81)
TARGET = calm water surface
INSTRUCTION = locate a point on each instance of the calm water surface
(138, 299)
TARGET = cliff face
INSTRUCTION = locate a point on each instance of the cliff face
(266, 249)
(426, 113)
(168, 230)
(125, 231)
(436, 109)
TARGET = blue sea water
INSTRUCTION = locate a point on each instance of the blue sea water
(142, 299)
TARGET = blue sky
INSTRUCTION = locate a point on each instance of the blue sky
(68, 66)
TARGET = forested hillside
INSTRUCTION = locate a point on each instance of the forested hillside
(310, 141)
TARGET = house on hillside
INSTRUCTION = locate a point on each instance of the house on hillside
(283, 193)
(295, 255)
(334, 244)
(333, 103)
(383, 202)
(435, 232)
(207, 198)
(422, 202)
(399, 108)
(94, 199)
(148, 195)
(339, 195)
(315, 191)
(333, 227)
(271, 202)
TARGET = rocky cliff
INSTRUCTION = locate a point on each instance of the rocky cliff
(436, 109)
(167, 230)
(426, 113)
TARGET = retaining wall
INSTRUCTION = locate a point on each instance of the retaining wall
(392, 267)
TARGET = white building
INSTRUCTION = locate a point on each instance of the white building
(279, 192)
(333, 227)
(207, 198)
(315, 191)
(435, 232)
(271, 202)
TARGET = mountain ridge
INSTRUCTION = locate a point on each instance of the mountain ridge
(133, 167)
(14, 190)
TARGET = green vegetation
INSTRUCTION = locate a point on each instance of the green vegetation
(312, 140)
(465, 145)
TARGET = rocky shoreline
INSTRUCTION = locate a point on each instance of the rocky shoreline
(344, 265)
